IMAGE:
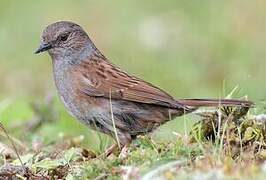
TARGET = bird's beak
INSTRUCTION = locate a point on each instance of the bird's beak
(43, 47)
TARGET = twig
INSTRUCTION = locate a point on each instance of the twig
(13, 145)
(113, 120)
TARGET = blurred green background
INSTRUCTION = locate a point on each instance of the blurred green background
(188, 48)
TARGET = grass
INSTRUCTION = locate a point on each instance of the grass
(237, 150)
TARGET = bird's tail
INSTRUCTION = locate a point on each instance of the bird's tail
(215, 102)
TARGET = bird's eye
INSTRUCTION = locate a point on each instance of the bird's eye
(64, 37)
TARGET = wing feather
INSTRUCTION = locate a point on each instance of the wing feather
(102, 79)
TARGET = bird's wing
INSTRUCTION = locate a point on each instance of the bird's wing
(102, 79)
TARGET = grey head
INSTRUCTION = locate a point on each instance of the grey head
(66, 40)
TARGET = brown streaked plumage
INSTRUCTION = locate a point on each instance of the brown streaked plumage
(87, 82)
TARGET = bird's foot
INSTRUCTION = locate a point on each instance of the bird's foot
(109, 151)
(124, 152)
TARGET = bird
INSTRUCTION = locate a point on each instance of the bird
(106, 98)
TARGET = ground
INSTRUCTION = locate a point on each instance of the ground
(226, 143)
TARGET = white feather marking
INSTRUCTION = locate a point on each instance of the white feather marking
(88, 81)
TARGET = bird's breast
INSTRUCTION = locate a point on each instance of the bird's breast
(67, 85)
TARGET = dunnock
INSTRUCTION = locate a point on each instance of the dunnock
(104, 97)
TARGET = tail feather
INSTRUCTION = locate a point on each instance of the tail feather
(215, 102)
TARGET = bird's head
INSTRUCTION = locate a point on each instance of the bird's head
(64, 39)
